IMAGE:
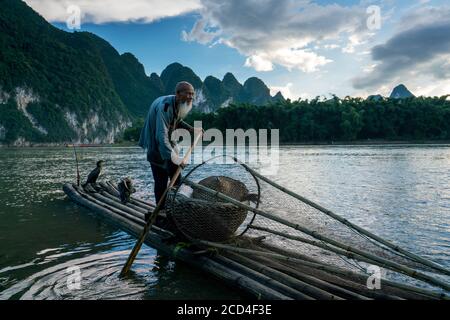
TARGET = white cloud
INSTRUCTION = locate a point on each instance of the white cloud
(433, 89)
(369, 68)
(259, 63)
(285, 91)
(331, 46)
(418, 52)
(288, 92)
(114, 10)
(279, 32)
(353, 41)
(199, 34)
(304, 60)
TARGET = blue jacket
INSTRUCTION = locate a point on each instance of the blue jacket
(162, 119)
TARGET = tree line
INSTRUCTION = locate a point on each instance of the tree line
(349, 119)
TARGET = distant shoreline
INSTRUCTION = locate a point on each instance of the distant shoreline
(312, 143)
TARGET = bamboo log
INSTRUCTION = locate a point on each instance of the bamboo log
(114, 194)
(386, 263)
(320, 266)
(331, 214)
(136, 201)
(347, 287)
(119, 206)
(111, 208)
(128, 204)
(266, 280)
(321, 281)
(299, 285)
(350, 283)
(155, 240)
(114, 207)
(318, 244)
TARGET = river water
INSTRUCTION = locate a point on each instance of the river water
(400, 192)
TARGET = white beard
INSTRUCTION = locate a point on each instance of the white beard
(183, 109)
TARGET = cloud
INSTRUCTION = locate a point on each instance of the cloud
(304, 60)
(285, 91)
(259, 63)
(104, 11)
(416, 50)
(199, 34)
(288, 93)
(278, 32)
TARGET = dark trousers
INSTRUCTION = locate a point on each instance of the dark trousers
(161, 176)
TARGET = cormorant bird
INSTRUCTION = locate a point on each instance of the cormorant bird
(125, 188)
(93, 176)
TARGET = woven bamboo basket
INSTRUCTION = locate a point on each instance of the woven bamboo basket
(203, 217)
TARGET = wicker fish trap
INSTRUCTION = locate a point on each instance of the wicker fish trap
(203, 216)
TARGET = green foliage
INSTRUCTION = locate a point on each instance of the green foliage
(16, 124)
(50, 117)
(339, 120)
(133, 133)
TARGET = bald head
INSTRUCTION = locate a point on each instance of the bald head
(184, 92)
(183, 86)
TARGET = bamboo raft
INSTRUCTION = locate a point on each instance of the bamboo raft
(257, 268)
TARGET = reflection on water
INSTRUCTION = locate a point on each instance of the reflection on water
(401, 193)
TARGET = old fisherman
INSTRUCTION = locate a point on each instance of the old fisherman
(164, 116)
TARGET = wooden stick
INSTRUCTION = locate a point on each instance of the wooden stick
(386, 263)
(155, 212)
(387, 243)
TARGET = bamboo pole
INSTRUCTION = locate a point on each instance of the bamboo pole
(111, 208)
(318, 244)
(155, 240)
(109, 187)
(321, 266)
(392, 265)
(321, 281)
(407, 290)
(128, 204)
(119, 205)
(155, 212)
(394, 288)
(387, 243)
(293, 282)
(346, 287)
(266, 280)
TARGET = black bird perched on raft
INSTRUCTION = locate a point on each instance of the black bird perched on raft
(125, 188)
(93, 176)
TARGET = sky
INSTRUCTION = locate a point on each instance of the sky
(302, 48)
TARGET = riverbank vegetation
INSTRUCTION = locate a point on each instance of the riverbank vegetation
(349, 119)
